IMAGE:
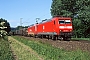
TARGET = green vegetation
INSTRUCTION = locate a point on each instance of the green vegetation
(81, 39)
(20, 27)
(4, 23)
(52, 53)
(4, 28)
(21, 51)
(78, 10)
(5, 51)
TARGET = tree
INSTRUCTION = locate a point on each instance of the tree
(68, 7)
(62, 8)
(78, 10)
(6, 24)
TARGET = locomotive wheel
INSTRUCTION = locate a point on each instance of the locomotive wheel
(53, 37)
(61, 39)
(41, 36)
(34, 36)
(66, 38)
(48, 37)
(44, 36)
(69, 38)
(56, 37)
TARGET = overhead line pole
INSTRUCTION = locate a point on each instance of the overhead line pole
(21, 21)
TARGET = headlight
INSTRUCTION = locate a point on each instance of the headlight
(60, 30)
(70, 30)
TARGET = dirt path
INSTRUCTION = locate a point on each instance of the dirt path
(67, 45)
(22, 52)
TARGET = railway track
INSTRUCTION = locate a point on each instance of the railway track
(67, 45)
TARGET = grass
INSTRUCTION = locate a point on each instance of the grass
(5, 53)
(52, 53)
(21, 52)
(81, 39)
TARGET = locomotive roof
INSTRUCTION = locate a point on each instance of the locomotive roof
(46, 20)
(31, 25)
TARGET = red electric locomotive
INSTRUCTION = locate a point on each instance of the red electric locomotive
(57, 27)
(31, 30)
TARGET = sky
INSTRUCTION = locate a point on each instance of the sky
(25, 10)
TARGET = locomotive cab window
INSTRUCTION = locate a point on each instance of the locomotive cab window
(67, 21)
(61, 21)
(64, 21)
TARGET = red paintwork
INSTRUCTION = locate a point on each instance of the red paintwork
(49, 26)
(31, 30)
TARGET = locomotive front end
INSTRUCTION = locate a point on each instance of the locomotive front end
(65, 28)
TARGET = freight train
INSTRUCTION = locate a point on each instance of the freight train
(54, 28)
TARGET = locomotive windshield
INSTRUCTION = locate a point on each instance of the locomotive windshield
(67, 21)
(64, 21)
(61, 21)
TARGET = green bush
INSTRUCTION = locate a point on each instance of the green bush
(5, 53)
